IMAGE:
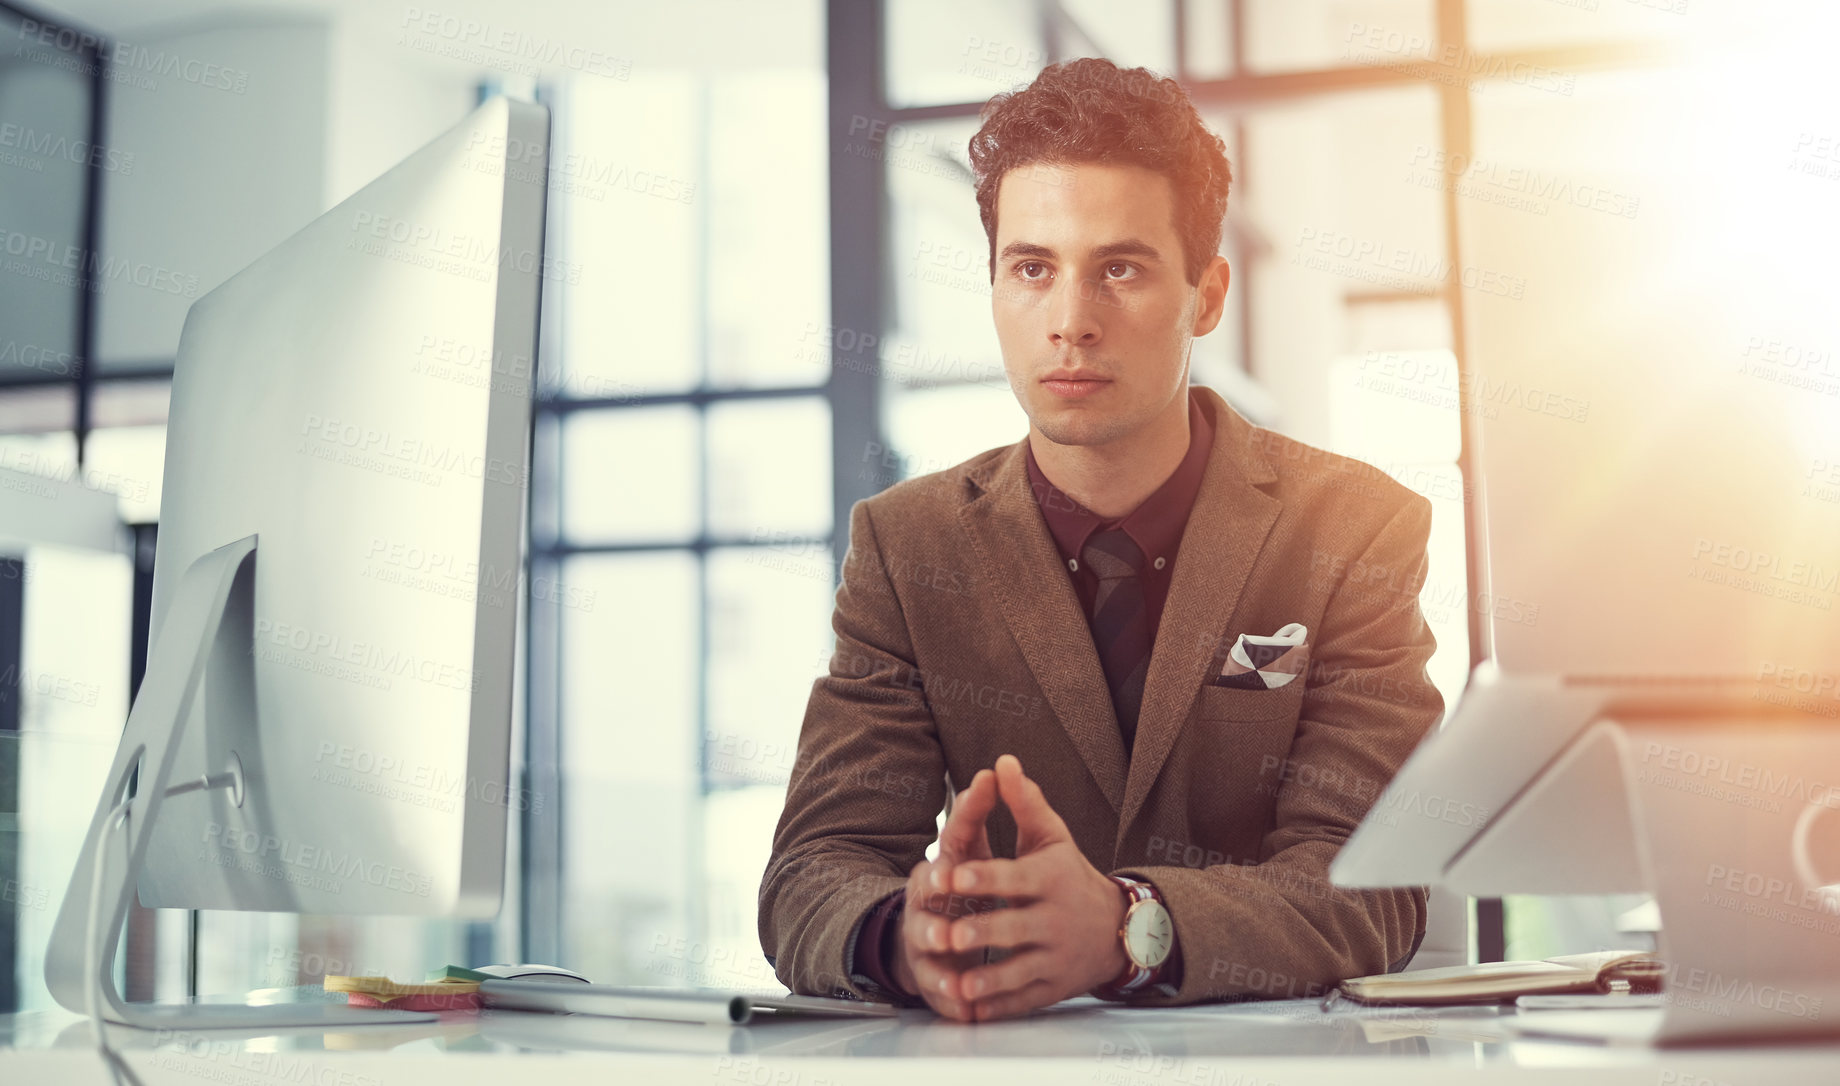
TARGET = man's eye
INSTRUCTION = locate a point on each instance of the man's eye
(1032, 269)
(1120, 270)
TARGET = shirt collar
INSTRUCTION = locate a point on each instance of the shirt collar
(1156, 525)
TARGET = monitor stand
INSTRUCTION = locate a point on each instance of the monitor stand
(80, 960)
(1713, 816)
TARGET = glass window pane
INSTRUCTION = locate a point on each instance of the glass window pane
(131, 461)
(939, 265)
(630, 793)
(545, 478)
(1501, 25)
(44, 170)
(48, 456)
(73, 697)
(932, 429)
(1207, 43)
(140, 402)
(629, 152)
(1397, 410)
(1548, 925)
(1398, 404)
(240, 952)
(738, 837)
(1293, 35)
(960, 50)
(1343, 228)
(1218, 358)
(35, 410)
(769, 277)
(630, 475)
(1445, 598)
(1135, 35)
(128, 462)
(770, 468)
(769, 638)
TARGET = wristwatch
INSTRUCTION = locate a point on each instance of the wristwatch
(1147, 933)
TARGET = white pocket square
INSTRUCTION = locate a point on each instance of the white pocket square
(1266, 662)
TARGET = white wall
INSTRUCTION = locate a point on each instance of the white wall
(331, 94)
(383, 103)
(220, 174)
(313, 110)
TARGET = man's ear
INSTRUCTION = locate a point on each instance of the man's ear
(1211, 296)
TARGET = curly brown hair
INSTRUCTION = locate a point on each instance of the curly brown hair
(1092, 111)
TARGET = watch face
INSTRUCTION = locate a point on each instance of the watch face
(1148, 934)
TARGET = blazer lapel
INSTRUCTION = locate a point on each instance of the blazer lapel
(1226, 530)
(1022, 568)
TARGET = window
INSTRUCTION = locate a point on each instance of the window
(687, 516)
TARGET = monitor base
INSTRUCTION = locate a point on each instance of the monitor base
(1714, 817)
(80, 957)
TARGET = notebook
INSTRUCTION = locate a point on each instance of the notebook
(1503, 982)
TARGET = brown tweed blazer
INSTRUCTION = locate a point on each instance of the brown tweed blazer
(960, 638)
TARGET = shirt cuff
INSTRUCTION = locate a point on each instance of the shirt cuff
(1168, 977)
(870, 965)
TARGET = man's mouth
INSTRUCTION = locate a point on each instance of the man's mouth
(1074, 386)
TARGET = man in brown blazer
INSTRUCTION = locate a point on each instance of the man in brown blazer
(1143, 802)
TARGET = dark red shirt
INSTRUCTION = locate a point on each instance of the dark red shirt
(1155, 526)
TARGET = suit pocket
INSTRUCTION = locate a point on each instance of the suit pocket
(1223, 703)
(1230, 749)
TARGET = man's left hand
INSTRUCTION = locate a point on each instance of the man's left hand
(1061, 928)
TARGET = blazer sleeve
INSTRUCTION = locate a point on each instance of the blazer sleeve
(866, 788)
(1277, 927)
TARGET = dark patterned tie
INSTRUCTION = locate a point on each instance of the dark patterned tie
(1120, 622)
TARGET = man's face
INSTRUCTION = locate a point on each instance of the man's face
(1092, 311)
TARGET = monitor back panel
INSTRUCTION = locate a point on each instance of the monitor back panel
(359, 400)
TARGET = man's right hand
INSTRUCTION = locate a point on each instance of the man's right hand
(923, 965)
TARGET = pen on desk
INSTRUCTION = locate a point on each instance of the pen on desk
(1330, 1000)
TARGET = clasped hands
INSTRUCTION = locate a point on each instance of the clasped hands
(1056, 915)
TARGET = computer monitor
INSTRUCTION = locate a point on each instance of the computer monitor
(337, 579)
(1653, 432)
(1657, 577)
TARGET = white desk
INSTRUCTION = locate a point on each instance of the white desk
(1084, 1041)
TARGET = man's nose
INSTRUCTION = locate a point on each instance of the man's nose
(1073, 319)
